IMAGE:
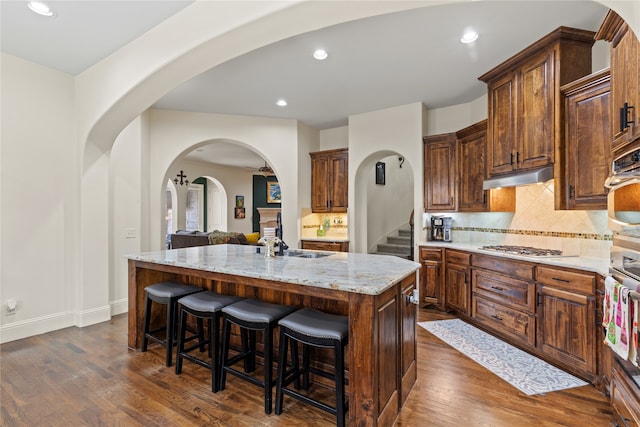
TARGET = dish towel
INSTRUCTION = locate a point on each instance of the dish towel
(634, 305)
(617, 336)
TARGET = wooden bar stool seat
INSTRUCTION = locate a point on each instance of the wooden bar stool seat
(202, 305)
(318, 329)
(252, 315)
(167, 293)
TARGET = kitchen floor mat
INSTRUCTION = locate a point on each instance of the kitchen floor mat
(525, 372)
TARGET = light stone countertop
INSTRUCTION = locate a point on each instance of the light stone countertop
(343, 271)
(596, 265)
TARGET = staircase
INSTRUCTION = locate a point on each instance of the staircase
(399, 245)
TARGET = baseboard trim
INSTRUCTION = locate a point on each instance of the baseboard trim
(119, 306)
(40, 325)
(44, 324)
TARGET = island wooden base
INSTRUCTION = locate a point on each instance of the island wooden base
(381, 355)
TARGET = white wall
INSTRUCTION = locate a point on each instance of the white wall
(333, 138)
(39, 198)
(374, 135)
(125, 187)
(388, 206)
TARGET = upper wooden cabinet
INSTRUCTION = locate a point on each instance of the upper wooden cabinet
(440, 173)
(625, 80)
(455, 169)
(583, 156)
(329, 178)
(525, 111)
(472, 149)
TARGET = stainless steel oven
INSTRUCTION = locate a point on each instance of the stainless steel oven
(625, 261)
(623, 203)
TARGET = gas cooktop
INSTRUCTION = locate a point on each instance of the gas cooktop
(523, 250)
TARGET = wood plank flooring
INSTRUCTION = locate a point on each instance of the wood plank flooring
(87, 377)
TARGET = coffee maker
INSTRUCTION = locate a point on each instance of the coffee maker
(441, 228)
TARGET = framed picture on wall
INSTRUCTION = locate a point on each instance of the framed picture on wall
(240, 201)
(273, 192)
(380, 166)
(238, 213)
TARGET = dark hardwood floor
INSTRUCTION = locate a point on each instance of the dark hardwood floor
(86, 376)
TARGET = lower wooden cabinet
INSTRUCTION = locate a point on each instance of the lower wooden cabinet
(457, 281)
(431, 277)
(549, 311)
(625, 398)
(409, 319)
(328, 245)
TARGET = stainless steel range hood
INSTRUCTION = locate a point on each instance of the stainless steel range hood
(517, 179)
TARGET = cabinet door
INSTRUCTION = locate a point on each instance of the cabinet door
(320, 183)
(566, 327)
(440, 175)
(624, 85)
(409, 350)
(535, 127)
(588, 146)
(502, 126)
(457, 288)
(329, 178)
(472, 173)
(339, 177)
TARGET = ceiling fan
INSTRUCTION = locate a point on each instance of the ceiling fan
(264, 170)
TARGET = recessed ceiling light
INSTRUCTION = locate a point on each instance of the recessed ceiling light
(281, 103)
(320, 54)
(469, 37)
(40, 8)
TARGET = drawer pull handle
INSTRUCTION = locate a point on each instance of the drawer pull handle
(560, 280)
(498, 288)
(497, 317)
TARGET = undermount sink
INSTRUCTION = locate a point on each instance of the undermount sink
(301, 254)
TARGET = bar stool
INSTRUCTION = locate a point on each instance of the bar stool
(313, 328)
(167, 293)
(252, 315)
(202, 305)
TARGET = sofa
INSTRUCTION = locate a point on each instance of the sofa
(189, 238)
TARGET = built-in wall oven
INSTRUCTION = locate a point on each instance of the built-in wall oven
(623, 203)
(623, 207)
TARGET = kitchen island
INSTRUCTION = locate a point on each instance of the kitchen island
(374, 291)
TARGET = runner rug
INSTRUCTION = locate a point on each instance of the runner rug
(525, 372)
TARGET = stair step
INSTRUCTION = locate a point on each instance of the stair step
(394, 249)
(404, 233)
(399, 240)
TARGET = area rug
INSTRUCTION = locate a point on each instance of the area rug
(525, 372)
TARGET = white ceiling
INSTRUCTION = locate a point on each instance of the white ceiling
(374, 63)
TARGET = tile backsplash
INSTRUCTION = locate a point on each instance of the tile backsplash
(534, 223)
(310, 223)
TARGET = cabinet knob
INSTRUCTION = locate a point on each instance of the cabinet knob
(572, 191)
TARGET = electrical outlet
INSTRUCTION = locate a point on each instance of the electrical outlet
(11, 306)
(129, 233)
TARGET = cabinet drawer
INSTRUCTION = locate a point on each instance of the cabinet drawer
(428, 254)
(520, 270)
(457, 257)
(566, 279)
(506, 290)
(519, 325)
